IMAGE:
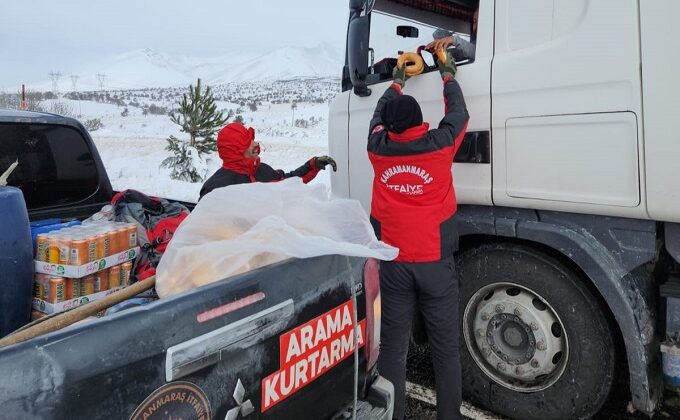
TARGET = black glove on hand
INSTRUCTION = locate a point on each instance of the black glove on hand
(399, 75)
(448, 67)
(321, 162)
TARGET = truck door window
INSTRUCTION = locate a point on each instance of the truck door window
(425, 15)
(387, 45)
(56, 166)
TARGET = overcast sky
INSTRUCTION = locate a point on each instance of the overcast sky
(39, 36)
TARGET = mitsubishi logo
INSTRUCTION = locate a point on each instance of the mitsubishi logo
(244, 407)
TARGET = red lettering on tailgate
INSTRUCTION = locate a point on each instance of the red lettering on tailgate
(310, 350)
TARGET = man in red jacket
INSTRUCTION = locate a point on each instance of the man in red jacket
(412, 208)
(240, 155)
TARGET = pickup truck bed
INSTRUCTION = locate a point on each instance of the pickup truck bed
(105, 368)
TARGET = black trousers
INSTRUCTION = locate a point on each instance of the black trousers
(433, 289)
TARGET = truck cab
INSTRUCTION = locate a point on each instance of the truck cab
(566, 184)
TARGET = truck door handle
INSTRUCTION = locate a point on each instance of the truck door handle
(189, 356)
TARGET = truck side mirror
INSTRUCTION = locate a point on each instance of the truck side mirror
(407, 31)
(357, 54)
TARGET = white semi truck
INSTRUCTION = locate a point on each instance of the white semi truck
(568, 185)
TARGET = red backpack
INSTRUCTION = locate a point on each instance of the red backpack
(157, 220)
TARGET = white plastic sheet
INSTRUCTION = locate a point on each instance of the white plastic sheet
(247, 226)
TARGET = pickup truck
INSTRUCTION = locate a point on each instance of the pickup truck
(277, 342)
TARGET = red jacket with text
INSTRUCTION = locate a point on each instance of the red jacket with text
(413, 197)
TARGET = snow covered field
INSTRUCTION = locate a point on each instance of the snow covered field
(133, 146)
(138, 88)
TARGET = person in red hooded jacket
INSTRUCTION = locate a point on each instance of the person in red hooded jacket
(412, 208)
(241, 164)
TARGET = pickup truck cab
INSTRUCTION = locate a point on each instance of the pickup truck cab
(278, 342)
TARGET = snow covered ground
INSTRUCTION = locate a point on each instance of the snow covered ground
(138, 88)
(133, 146)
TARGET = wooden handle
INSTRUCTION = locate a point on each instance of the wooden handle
(78, 314)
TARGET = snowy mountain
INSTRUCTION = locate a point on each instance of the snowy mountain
(150, 68)
(283, 64)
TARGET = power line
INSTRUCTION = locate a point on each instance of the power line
(74, 81)
(55, 76)
(102, 78)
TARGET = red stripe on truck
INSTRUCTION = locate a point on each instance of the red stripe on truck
(229, 307)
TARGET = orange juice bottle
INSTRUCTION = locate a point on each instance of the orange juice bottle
(64, 247)
(57, 290)
(126, 273)
(114, 277)
(131, 236)
(53, 248)
(72, 288)
(42, 247)
(87, 286)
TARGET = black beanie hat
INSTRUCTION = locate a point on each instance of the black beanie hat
(401, 113)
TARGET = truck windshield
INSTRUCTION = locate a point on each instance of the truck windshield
(55, 167)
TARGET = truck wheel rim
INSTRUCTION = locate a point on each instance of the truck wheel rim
(515, 337)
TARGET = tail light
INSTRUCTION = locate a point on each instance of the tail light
(373, 311)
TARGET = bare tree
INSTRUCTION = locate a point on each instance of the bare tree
(60, 108)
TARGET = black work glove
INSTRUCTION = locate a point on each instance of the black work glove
(321, 162)
(399, 75)
(448, 67)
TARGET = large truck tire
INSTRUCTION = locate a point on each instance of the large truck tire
(535, 342)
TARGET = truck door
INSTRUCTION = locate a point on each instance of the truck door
(567, 105)
(472, 170)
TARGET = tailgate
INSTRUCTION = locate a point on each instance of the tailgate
(272, 343)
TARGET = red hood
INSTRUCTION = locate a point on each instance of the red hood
(232, 141)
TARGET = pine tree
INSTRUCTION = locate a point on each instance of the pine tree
(181, 161)
(199, 118)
